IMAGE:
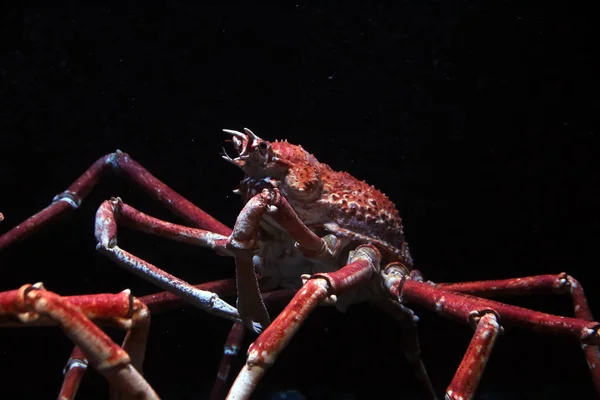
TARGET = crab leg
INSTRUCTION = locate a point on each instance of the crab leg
(120, 310)
(128, 216)
(561, 283)
(234, 342)
(165, 301)
(410, 341)
(73, 196)
(459, 306)
(73, 372)
(465, 381)
(106, 234)
(230, 352)
(464, 307)
(264, 351)
(242, 243)
(33, 304)
(158, 302)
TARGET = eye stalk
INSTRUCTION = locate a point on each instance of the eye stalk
(265, 150)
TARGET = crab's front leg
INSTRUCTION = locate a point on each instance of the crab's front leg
(242, 243)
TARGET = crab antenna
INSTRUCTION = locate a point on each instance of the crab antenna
(226, 157)
(235, 133)
(251, 134)
(224, 154)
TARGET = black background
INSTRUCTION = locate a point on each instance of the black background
(475, 117)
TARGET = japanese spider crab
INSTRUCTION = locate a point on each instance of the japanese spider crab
(305, 231)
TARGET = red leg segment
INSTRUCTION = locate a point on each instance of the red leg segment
(465, 381)
(561, 283)
(264, 351)
(459, 306)
(130, 217)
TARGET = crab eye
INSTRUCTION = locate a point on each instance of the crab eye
(262, 148)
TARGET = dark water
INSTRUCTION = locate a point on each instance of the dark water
(475, 118)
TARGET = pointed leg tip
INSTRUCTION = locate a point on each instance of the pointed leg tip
(257, 327)
(254, 326)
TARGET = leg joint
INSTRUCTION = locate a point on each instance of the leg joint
(71, 198)
(475, 316)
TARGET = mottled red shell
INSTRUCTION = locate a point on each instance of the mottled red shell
(322, 197)
(363, 211)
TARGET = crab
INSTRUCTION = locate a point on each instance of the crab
(306, 235)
